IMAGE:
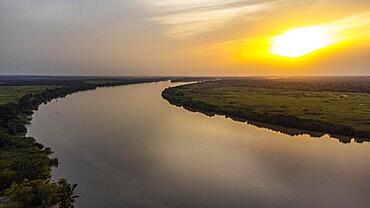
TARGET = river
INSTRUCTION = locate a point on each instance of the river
(127, 147)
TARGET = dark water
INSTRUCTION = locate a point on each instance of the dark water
(127, 147)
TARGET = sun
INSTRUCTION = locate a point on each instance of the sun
(299, 42)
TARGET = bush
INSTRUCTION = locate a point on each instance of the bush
(41, 193)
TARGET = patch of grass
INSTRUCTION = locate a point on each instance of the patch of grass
(12, 94)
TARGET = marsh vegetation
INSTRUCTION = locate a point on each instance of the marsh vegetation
(338, 106)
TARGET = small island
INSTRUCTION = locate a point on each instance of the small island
(339, 106)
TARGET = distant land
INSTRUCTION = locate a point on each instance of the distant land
(339, 106)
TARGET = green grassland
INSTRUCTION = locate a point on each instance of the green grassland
(309, 110)
(12, 94)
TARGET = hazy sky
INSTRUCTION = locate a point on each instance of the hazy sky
(174, 37)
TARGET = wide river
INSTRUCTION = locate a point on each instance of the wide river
(127, 147)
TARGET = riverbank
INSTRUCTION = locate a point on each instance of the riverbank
(26, 164)
(335, 106)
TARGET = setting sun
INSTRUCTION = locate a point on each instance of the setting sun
(299, 42)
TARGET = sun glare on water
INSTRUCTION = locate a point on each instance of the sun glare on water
(299, 42)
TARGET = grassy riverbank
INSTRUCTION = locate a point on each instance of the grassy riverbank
(12, 94)
(25, 165)
(338, 106)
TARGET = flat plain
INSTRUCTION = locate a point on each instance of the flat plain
(311, 105)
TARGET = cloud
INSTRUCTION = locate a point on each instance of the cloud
(184, 20)
(352, 22)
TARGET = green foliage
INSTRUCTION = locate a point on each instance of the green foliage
(41, 193)
(66, 194)
(36, 193)
(22, 158)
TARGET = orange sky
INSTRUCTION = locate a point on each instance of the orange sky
(178, 37)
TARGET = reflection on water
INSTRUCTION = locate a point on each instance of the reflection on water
(127, 147)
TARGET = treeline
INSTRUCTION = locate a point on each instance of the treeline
(13, 80)
(312, 127)
(25, 165)
(192, 79)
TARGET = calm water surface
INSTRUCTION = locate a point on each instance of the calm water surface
(127, 147)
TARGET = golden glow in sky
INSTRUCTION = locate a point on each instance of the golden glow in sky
(185, 37)
(292, 45)
(299, 42)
